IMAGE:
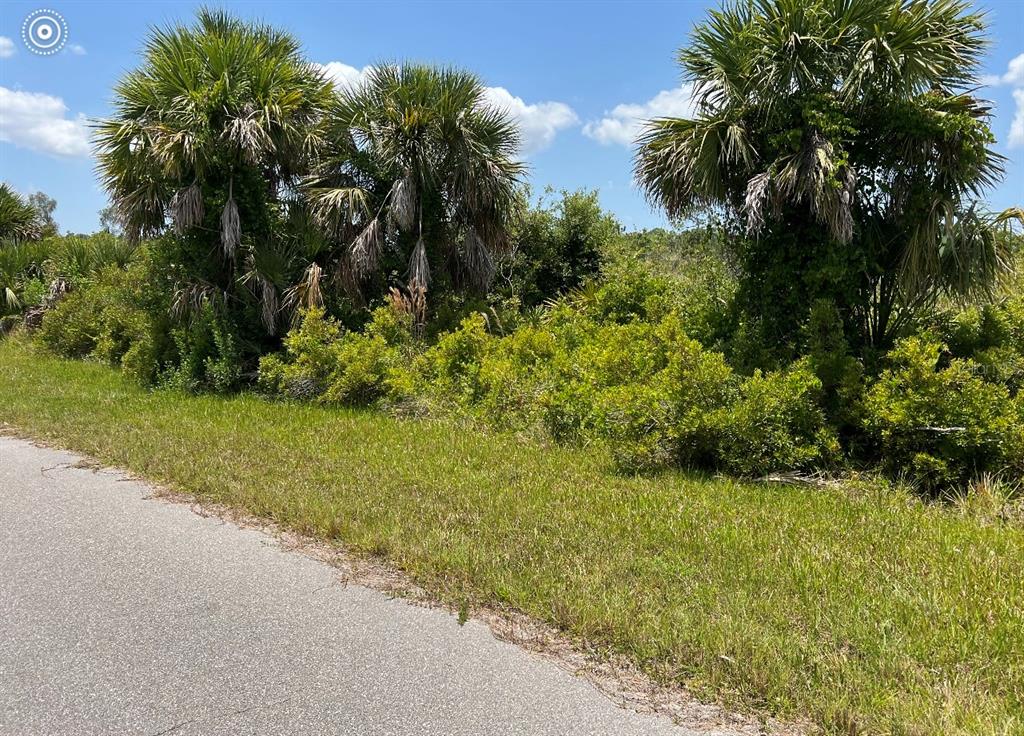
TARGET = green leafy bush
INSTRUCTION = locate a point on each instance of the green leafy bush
(322, 361)
(555, 247)
(840, 373)
(692, 266)
(776, 424)
(669, 418)
(940, 421)
(308, 359)
(992, 335)
(206, 356)
(112, 316)
(451, 368)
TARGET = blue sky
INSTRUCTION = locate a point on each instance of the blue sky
(577, 74)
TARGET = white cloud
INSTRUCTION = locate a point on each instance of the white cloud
(77, 49)
(1014, 77)
(344, 75)
(37, 121)
(6, 47)
(1016, 137)
(625, 122)
(539, 123)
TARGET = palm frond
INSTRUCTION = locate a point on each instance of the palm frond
(230, 229)
(364, 252)
(418, 274)
(186, 208)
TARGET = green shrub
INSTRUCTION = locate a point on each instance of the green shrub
(555, 247)
(270, 375)
(669, 419)
(594, 359)
(776, 424)
(363, 364)
(33, 292)
(324, 362)
(942, 424)
(112, 316)
(207, 354)
(73, 327)
(310, 357)
(841, 375)
(629, 292)
(451, 368)
(514, 374)
(992, 335)
(700, 281)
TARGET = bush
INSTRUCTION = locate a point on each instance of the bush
(628, 292)
(324, 362)
(696, 266)
(776, 424)
(451, 368)
(114, 317)
(614, 362)
(841, 375)
(71, 328)
(363, 366)
(942, 425)
(669, 419)
(308, 360)
(556, 247)
(992, 336)
(207, 355)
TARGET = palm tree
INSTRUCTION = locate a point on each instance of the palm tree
(19, 220)
(419, 168)
(210, 136)
(843, 140)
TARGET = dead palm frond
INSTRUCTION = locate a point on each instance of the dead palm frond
(418, 275)
(402, 211)
(190, 299)
(308, 293)
(186, 208)
(364, 253)
(477, 259)
(230, 229)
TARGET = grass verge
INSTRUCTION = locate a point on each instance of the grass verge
(868, 612)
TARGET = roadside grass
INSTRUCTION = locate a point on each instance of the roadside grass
(867, 612)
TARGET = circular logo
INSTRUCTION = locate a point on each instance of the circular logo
(44, 32)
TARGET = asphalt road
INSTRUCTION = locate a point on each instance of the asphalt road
(125, 614)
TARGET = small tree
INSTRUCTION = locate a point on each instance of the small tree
(45, 206)
(555, 247)
(109, 222)
(844, 142)
(419, 179)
